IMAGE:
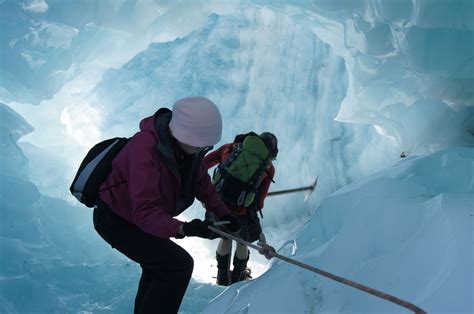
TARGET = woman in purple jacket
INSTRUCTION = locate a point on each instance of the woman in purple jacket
(154, 178)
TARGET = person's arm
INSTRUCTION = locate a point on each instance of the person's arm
(264, 186)
(145, 185)
(215, 157)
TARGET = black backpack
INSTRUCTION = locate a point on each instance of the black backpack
(94, 169)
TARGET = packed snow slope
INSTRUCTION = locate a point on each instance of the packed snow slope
(348, 87)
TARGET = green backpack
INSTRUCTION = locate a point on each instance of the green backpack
(238, 178)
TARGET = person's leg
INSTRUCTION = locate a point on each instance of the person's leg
(241, 256)
(145, 281)
(167, 268)
(242, 252)
(240, 271)
(240, 261)
(223, 247)
(223, 262)
(169, 282)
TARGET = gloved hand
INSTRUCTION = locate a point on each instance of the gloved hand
(267, 250)
(197, 228)
(234, 225)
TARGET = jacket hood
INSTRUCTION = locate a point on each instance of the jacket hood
(157, 123)
(148, 124)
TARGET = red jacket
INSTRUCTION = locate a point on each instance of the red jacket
(223, 153)
(144, 191)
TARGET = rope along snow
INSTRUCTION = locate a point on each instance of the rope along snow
(347, 282)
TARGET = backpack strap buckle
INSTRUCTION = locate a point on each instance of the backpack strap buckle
(241, 199)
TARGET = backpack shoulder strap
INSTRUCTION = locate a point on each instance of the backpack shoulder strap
(236, 149)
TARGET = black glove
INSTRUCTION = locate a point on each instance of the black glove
(233, 226)
(197, 228)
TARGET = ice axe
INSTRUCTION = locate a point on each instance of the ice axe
(309, 188)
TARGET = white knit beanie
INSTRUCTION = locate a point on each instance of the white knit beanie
(196, 121)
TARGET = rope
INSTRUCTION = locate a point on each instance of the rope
(342, 280)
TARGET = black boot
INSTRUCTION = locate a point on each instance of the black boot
(240, 271)
(223, 269)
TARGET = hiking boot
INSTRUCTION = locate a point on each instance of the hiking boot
(223, 271)
(240, 271)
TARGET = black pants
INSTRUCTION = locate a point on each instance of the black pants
(166, 267)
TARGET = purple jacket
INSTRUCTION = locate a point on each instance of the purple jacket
(146, 191)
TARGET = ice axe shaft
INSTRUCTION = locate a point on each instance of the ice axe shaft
(326, 274)
(302, 189)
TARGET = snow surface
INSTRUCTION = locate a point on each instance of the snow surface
(347, 86)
